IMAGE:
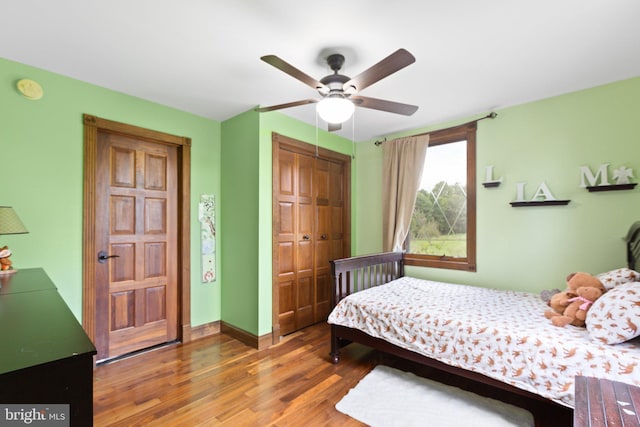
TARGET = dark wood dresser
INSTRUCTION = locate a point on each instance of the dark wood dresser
(45, 355)
(602, 403)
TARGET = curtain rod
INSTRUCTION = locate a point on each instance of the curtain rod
(491, 115)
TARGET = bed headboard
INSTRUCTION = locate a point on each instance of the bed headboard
(362, 272)
(633, 246)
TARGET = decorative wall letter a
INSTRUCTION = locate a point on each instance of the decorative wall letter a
(542, 193)
(542, 197)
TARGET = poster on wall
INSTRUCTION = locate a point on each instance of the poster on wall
(206, 216)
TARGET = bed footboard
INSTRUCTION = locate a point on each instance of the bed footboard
(355, 274)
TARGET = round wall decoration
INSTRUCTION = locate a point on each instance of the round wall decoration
(30, 89)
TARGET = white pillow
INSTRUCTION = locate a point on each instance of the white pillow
(613, 278)
(615, 316)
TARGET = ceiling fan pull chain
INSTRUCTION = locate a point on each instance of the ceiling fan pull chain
(353, 136)
(316, 134)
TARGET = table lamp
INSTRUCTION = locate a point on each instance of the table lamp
(9, 224)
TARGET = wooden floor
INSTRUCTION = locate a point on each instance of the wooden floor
(218, 381)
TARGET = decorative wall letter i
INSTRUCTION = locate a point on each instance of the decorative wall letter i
(543, 196)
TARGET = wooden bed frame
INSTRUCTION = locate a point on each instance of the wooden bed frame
(358, 273)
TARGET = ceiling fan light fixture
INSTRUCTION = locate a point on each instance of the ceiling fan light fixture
(335, 109)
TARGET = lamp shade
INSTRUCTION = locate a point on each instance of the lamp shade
(9, 222)
(335, 109)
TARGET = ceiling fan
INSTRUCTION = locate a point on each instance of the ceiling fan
(339, 92)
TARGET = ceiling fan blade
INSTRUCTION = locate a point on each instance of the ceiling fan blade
(384, 105)
(292, 71)
(334, 127)
(389, 65)
(287, 105)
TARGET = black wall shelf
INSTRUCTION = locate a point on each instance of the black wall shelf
(490, 184)
(541, 203)
(614, 187)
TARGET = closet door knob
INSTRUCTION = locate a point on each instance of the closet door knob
(323, 237)
(306, 237)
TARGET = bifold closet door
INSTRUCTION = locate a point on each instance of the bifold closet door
(295, 247)
(329, 232)
(310, 233)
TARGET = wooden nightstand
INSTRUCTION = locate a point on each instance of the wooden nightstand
(601, 402)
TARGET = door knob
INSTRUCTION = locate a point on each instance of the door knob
(103, 257)
(306, 237)
(323, 237)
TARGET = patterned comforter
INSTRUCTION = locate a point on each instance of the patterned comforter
(501, 334)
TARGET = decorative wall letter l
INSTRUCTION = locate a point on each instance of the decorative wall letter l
(489, 181)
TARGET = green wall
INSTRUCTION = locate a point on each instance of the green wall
(520, 248)
(41, 147)
(534, 248)
(239, 207)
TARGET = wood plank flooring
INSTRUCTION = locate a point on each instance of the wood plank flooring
(218, 381)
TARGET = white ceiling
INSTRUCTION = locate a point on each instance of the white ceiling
(203, 56)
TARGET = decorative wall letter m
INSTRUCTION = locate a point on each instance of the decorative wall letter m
(602, 173)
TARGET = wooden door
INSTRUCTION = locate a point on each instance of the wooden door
(295, 248)
(310, 214)
(138, 303)
(136, 212)
(329, 235)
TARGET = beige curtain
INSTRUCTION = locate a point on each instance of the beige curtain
(403, 163)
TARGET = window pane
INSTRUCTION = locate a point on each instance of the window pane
(439, 222)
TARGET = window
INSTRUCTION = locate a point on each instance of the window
(443, 226)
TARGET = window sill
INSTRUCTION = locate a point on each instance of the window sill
(439, 262)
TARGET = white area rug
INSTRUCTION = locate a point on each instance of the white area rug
(389, 397)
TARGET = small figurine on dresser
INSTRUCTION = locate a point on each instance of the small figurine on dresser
(5, 262)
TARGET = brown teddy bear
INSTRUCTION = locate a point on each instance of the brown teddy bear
(558, 302)
(582, 290)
